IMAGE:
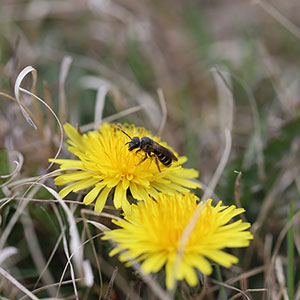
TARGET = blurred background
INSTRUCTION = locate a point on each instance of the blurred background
(191, 68)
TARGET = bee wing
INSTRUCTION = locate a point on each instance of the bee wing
(172, 155)
(165, 151)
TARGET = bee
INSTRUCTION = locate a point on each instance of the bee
(151, 149)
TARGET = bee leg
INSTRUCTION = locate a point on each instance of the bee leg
(156, 161)
(138, 151)
(146, 156)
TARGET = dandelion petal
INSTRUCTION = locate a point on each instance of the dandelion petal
(90, 197)
(66, 190)
(100, 202)
(152, 230)
(120, 193)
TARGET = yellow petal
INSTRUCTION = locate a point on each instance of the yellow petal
(90, 197)
(120, 193)
(71, 177)
(154, 262)
(200, 263)
(126, 206)
(112, 182)
(100, 202)
(222, 258)
(170, 276)
(85, 183)
(189, 274)
(66, 190)
(73, 135)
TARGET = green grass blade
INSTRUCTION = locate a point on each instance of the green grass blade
(4, 168)
(222, 295)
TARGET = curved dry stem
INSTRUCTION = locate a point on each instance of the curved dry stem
(64, 70)
(16, 215)
(113, 117)
(295, 220)
(207, 194)
(163, 106)
(43, 288)
(55, 116)
(99, 107)
(279, 17)
(256, 121)
(35, 250)
(231, 288)
(17, 284)
(16, 171)
(7, 96)
(225, 97)
(7, 252)
(50, 258)
(17, 88)
(68, 256)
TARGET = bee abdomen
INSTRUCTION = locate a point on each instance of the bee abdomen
(164, 159)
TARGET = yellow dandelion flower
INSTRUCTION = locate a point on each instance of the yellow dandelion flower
(151, 235)
(106, 165)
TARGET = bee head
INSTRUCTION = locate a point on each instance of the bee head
(134, 143)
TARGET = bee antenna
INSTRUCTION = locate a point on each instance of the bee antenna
(126, 134)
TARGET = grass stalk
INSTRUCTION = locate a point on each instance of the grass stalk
(290, 249)
(222, 295)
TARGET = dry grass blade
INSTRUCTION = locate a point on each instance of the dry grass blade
(64, 70)
(50, 257)
(88, 273)
(207, 194)
(48, 100)
(86, 266)
(100, 101)
(163, 106)
(83, 213)
(113, 117)
(13, 220)
(17, 89)
(279, 17)
(98, 225)
(256, 125)
(281, 277)
(7, 252)
(124, 113)
(211, 192)
(59, 123)
(232, 288)
(6, 200)
(284, 180)
(43, 288)
(233, 280)
(295, 220)
(111, 284)
(267, 255)
(224, 159)
(68, 256)
(16, 283)
(36, 251)
(16, 171)
(225, 97)
(75, 244)
(237, 194)
(239, 295)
